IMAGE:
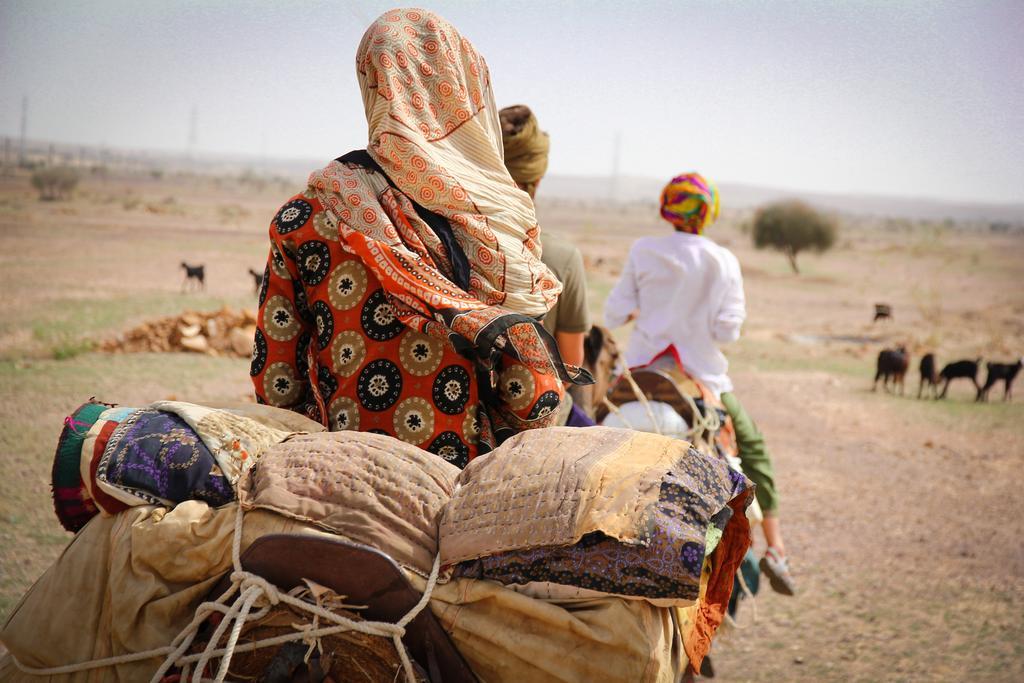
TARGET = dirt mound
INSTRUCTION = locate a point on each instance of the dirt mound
(216, 333)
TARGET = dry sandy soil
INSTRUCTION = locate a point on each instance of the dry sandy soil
(901, 516)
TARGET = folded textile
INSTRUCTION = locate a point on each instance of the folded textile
(74, 507)
(567, 513)
(109, 458)
(666, 570)
(369, 488)
(155, 457)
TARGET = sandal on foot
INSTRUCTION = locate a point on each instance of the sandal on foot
(775, 566)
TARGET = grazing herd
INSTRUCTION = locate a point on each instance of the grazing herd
(892, 364)
(892, 367)
(195, 277)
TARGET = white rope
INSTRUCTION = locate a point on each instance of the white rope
(615, 409)
(251, 589)
(703, 427)
(642, 397)
(753, 603)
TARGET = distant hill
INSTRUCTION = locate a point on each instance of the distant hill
(582, 188)
(734, 195)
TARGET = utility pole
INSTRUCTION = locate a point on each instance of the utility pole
(193, 132)
(24, 129)
(613, 190)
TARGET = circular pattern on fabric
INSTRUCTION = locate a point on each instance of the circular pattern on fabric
(347, 284)
(259, 354)
(347, 352)
(264, 285)
(277, 263)
(288, 249)
(301, 302)
(280, 386)
(292, 216)
(302, 354)
(451, 390)
(419, 353)
(314, 261)
(378, 318)
(326, 225)
(516, 387)
(324, 321)
(449, 446)
(343, 413)
(414, 420)
(547, 403)
(379, 385)
(471, 425)
(327, 383)
(279, 319)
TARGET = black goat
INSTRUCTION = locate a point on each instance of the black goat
(968, 369)
(882, 311)
(194, 275)
(257, 280)
(892, 364)
(1000, 371)
(928, 375)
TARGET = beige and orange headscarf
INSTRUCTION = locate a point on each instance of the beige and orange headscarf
(434, 132)
(433, 128)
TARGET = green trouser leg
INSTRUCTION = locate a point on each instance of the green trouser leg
(757, 464)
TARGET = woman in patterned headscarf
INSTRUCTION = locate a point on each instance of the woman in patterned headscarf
(404, 284)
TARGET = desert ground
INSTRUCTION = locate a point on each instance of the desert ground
(902, 516)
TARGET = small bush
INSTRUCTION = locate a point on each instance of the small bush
(792, 227)
(55, 182)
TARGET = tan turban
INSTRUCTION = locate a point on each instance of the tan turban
(526, 146)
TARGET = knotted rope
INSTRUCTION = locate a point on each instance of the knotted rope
(251, 589)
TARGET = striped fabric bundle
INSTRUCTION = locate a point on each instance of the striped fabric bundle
(690, 203)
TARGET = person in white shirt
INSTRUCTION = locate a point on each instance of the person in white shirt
(685, 291)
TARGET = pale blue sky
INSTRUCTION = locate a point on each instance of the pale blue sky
(899, 98)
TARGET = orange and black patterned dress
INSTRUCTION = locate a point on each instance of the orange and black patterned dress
(329, 345)
(404, 287)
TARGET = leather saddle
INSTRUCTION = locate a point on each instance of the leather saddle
(664, 381)
(365, 576)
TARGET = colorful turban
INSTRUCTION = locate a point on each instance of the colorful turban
(690, 203)
(526, 146)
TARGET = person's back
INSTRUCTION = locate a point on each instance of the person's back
(687, 292)
(569, 314)
(526, 149)
(397, 303)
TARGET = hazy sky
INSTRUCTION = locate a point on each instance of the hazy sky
(900, 98)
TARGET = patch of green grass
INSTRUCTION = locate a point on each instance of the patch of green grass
(778, 356)
(35, 395)
(69, 348)
(970, 415)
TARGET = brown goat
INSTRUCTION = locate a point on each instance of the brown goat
(929, 375)
(892, 364)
